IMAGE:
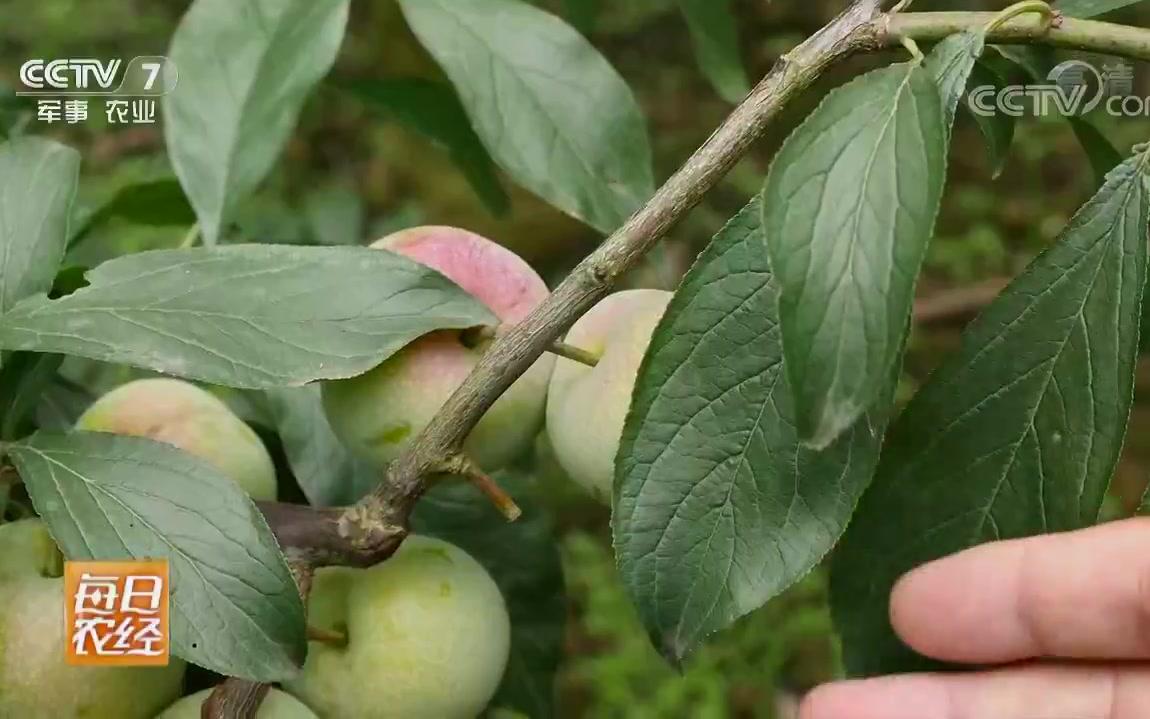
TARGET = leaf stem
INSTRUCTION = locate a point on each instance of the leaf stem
(912, 47)
(1021, 8)
(190, 238)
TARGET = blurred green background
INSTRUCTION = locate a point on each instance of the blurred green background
(353, 172)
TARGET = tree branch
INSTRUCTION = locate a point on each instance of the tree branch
(1069, 33)
(514, 351)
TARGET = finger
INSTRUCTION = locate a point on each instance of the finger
(1083, 594)
(1023, 692)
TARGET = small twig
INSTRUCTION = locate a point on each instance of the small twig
(474, 336)
(464, 466)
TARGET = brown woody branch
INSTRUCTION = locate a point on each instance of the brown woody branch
(514, 351)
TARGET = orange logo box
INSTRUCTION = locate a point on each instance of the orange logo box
(116, 613)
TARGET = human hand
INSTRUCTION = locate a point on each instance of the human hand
(1077, 601)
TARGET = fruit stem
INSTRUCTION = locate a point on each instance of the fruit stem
(329, 637)
(464, 466)
(571, 352)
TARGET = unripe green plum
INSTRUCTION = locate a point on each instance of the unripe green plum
(27, 550)
(377, 413)
(586, 406)
(35, 681)
(427, 637)
(181, 414)
(276, 705)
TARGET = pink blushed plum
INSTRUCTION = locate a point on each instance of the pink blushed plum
(376, 414)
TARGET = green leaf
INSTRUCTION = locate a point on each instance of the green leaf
(997, 129)
(327, 473)
(37, 184)
(547, 105)
(235, 607)
(1091, 8)
(245, 70)
(24, 378)
(253, 316)
(523, 559)
(956, 68)
(718, 506)
(1016, 434)
(716, 39)
(158, 203)
(848, 207)
(433, 109)
(950, 64)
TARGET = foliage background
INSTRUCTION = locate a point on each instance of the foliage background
(352, 173)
